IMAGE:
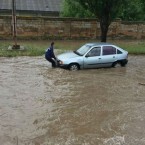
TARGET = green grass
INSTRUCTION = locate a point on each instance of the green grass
(32, 49)
(37, 48)
(137, 48)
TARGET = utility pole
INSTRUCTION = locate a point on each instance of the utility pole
(15, 46)
(14, 30)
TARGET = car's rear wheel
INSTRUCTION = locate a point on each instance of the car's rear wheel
(115, 64)
(119, 63)
(123, 63)
(74, 67)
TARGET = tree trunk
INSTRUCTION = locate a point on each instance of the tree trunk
(104, 30)
(104, 25)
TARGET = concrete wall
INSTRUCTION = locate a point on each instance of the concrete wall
(68, 28)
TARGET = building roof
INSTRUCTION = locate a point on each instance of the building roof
(32, 5)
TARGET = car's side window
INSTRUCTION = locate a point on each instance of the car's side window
(94, 52)
(119, 52)
(109, 50)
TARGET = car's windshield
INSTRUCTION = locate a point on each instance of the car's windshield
(82, 50)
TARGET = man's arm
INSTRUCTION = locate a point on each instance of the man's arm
(53, 55)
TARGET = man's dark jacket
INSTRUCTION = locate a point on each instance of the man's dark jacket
(49, 53)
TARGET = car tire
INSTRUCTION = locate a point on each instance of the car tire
(123, 64)
(114, 64)
(74, 67)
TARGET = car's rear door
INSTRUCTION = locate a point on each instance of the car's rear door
(108, 55)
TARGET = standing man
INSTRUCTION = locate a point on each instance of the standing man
(49, 55)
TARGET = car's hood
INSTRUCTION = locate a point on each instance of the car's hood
(67, 55)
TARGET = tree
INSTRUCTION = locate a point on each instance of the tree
(105, 10)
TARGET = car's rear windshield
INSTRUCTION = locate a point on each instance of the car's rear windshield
(82, 50)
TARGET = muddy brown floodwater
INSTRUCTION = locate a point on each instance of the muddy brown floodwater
(44, 106)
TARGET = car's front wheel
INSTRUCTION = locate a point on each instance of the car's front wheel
(74, 67)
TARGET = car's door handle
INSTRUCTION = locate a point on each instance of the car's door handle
(113, 56)
(99, 58)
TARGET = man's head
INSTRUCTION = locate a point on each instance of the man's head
(52, 43)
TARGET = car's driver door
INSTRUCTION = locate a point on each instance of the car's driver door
(92, 58)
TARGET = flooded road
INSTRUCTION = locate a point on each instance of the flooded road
(44, 106)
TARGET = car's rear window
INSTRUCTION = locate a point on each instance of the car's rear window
(119, 52)
(109, 50)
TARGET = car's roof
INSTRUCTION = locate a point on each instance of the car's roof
(103, 44)
(98, 43)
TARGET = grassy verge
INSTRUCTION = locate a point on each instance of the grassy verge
(37, 48)
(134, 47)
(32, 49)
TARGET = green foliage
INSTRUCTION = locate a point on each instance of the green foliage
(143, 4)
(133, 10)
(74, 9)
(102, 9)
(129, 10)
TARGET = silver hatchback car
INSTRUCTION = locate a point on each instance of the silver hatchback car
(93, 55)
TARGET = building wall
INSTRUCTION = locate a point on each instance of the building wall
(68, 28)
